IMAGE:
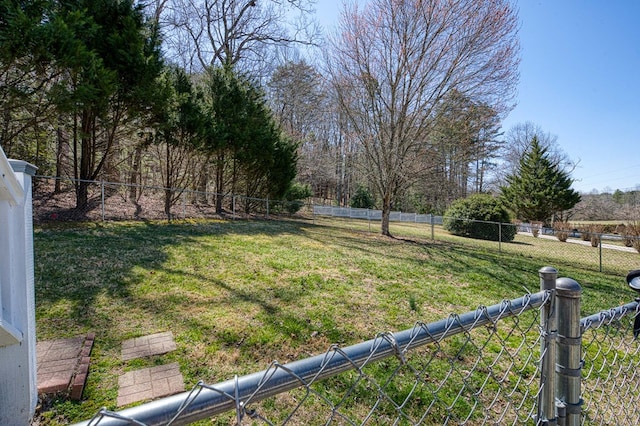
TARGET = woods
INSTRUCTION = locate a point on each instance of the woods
(404, 102)
(90, 93)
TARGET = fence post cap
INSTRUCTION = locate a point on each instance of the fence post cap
(568, 287)
(548, 270)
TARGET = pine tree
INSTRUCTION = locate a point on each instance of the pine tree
(539, 188)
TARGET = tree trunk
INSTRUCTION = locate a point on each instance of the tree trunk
(168, 193)
(86, 162)
(62, 146)
(168, 183)
(386, 213)
(203, 181)
(82, 196)
(135, 173)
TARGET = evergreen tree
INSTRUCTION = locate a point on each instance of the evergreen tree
(180, 127)
(362, 199)
(539, 188)
(108, 56)
(243, 134)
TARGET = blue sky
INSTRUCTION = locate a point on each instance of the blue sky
(579, 80)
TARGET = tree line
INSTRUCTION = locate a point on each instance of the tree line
(89, 93)
(401, 105)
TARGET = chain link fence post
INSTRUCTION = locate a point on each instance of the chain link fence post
(548, 329)
(102, 198)
(600, 251)
(569, 357)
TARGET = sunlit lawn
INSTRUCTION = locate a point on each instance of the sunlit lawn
(238, 295)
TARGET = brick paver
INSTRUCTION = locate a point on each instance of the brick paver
(63, 365)
(57, 362)
(153, 344)
(149, 383)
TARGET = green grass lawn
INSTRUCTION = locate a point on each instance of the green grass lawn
(238, 295)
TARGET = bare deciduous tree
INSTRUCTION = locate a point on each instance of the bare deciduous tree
(228, 32)
(393, 62)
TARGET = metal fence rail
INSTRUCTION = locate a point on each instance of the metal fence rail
(472, 368)
(530, 360)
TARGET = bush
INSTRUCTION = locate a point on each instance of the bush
(595, 234)
(632, 232)
(562, 230)
(295, 196)
(362, 199)
(479, 216)
(536, 226)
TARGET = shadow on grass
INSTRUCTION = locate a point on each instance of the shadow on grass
(77, 263)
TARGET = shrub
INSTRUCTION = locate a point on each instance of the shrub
(628, 240)
(595, 233)
(633, 234)
(535, 228)
(295, 196)
(584, 231)
(562, 230)
(480, 216)
(362, 199)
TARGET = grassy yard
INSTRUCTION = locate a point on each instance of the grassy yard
(238, 295)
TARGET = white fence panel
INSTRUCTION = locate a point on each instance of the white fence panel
(18, 379)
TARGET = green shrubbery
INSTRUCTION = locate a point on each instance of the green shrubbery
(295, 196)
(479, 216)
(362, 199)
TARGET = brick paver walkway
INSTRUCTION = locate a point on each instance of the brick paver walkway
(153, 344)
(150, 383)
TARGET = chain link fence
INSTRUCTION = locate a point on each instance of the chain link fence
(518, 362)
(476, 368)
(530, 360)
(55, 200)
(611, 372)
(613, 253)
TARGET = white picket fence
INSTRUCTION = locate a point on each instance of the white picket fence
(18, 380)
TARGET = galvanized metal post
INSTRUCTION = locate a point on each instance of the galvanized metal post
(569, 357)
(184, 204)
(548, 326)
(102, 198)
(600, 250)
